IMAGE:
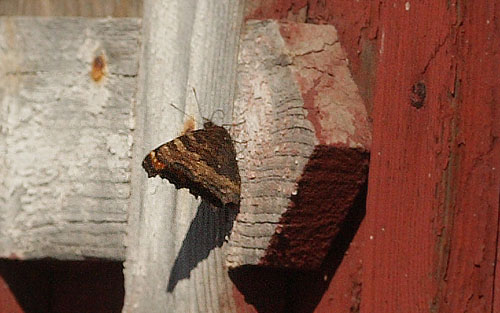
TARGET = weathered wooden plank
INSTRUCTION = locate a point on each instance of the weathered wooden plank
(175, 259)
(356, 22)
(92, 8)
(410, 37)
(303, 141)
(434, 180)
(65, 138)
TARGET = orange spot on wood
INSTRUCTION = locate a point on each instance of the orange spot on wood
(98, 68)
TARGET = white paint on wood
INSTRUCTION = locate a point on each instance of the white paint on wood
(175, 259)
(65, 140)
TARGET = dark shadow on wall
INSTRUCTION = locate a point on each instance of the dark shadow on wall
(51, 286)
(271, 290)
(307, 289)
(208, 230)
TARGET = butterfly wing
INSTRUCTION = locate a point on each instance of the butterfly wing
(204, 161)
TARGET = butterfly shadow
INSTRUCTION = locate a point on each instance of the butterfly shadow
(208, 230)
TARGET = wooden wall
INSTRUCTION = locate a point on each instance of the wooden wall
(49, 285)
(86, 8)
(428, 242)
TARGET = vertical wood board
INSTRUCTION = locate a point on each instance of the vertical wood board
(432, 210)
(175, 257)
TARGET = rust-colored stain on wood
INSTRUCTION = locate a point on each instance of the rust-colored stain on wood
(98, 68)
(428, 242)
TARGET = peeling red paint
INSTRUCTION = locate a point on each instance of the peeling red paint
(331, 98)
(337, 287)
(357, 23)
(429, 242)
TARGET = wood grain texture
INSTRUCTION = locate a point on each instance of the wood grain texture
(355, 21)
(65, 141)
(275, 137)
(340, 288)
(175, 259)
(427, 243)
(302, 143)
(434, 180)
(92, 8)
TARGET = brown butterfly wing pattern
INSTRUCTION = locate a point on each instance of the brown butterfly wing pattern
(204, 161)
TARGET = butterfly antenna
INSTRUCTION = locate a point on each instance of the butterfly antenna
(180, 110)
(214, 112)
(198, 104)
(233, 124)
(225, 124)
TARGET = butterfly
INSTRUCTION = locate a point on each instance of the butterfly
(204, 161)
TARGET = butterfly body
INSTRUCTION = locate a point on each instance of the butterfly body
(204, 161)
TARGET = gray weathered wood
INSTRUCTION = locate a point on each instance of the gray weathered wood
(65, 139)
(87, 8)
(269, 102)
(175, 258)
(301, 144)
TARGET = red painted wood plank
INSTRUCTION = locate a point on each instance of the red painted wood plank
(409, 161)
(496, 287)
(429, 240)
(8, 301)
(473, 240)
(434, 174)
